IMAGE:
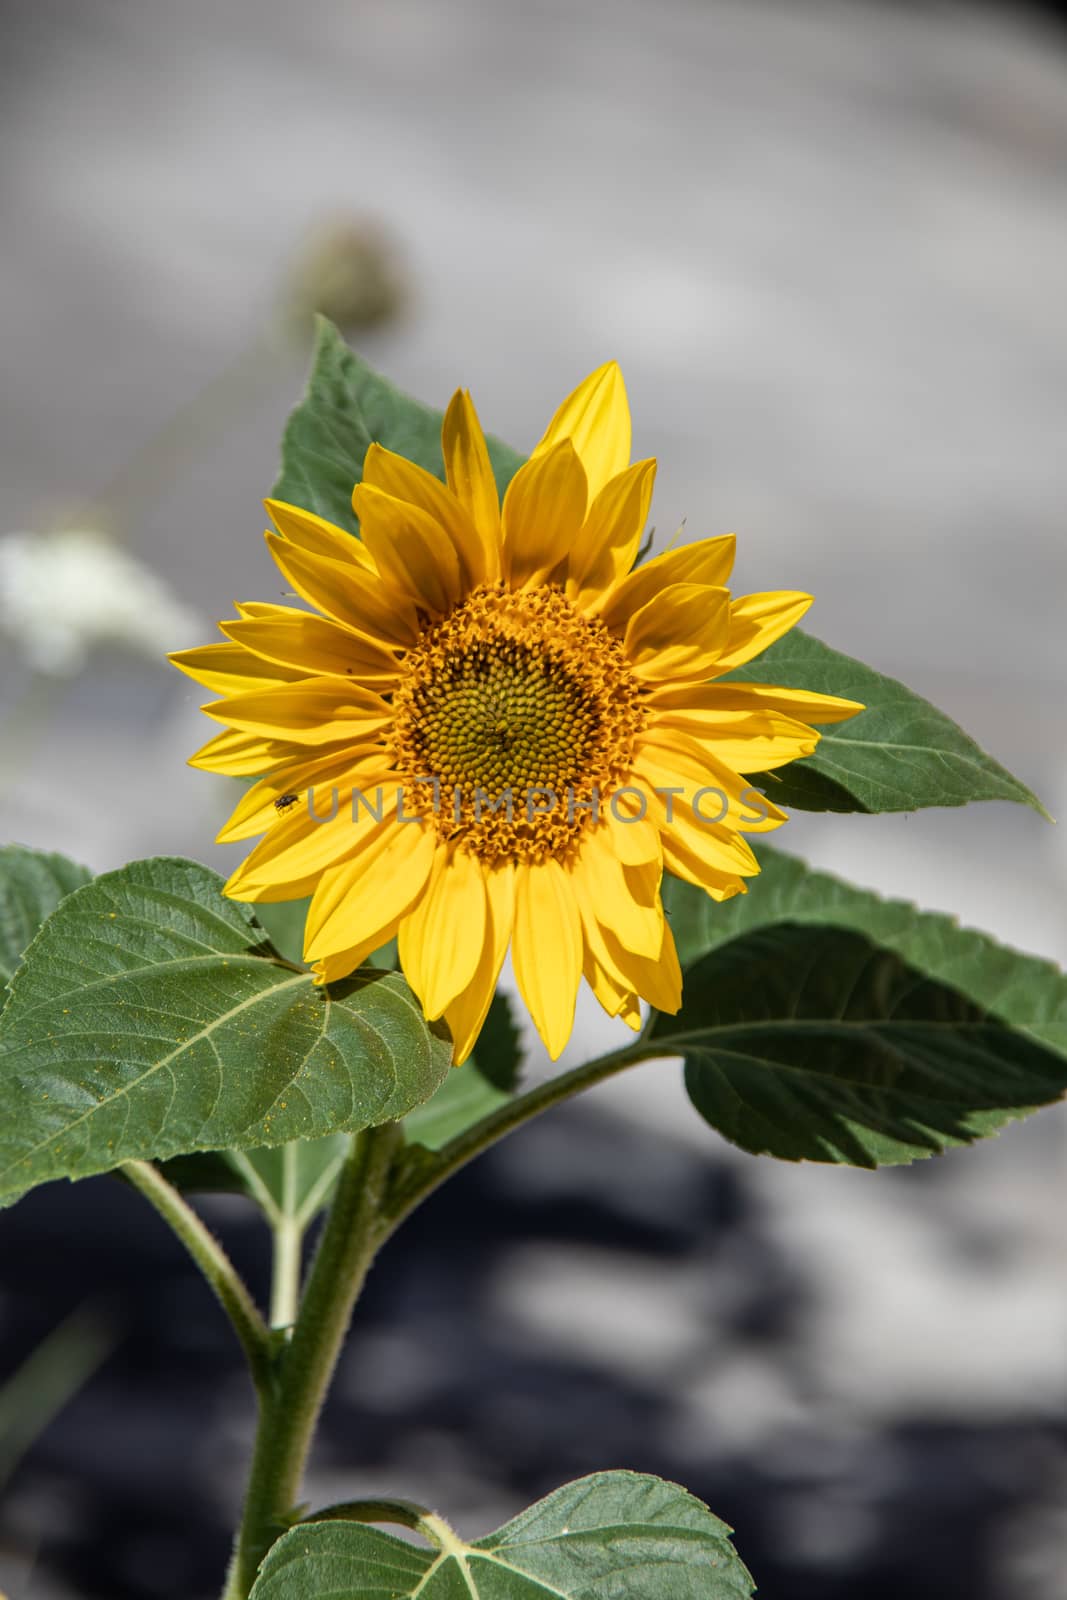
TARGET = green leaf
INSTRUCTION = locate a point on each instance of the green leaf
(346, 408)
(32, 883)
(283, 922)
(463, 1099)
(477, 1088)
(1025, 991)
(295, 1181)
(150, 1018)
(814, 1043)
(611, 1536)
(499, 1048)
(898, 755)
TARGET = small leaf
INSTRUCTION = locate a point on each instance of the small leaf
(610, 1536)
(815, 1044)
(499, 1048)
(32, 883)
(346, 408)
(150, 1019)
(900, 754)
(463, 1099)
(294, 1181)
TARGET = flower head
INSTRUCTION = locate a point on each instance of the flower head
(504, 730)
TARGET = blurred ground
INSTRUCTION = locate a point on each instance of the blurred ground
(828, 243)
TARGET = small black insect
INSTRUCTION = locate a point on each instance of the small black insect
(285, 801)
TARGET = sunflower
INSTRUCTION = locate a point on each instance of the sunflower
(494, 730)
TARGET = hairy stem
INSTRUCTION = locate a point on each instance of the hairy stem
(213, 1262)
(290, 1409)
(375, 1194)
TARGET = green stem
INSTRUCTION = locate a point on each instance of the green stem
(285, 1273)
(290, 1410)
(426, 1176)
(213, 1262)
(366, 1210)
(288, 1242)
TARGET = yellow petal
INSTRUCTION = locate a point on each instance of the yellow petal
(238, 755)
(756, 621)
(616, 998)
(288, 863)
(709, 561)
(357, 899)
(634, 840)
(412, 550)
(369, 838)
(638, 925)
(756, 741)
(312, 712)
(739, 699)
(312, 645)
(383, 469)
(720, 846)
(469, 475)
(543, 512)
(448, 929)
(682, 631)
(347, 593)
(685, 863)
(341, 963)
(467, 1012)
(230, 669)
(610, 537)
(596, 419)
(317, 537)
(715, 793)
(411, 947)
(547, 950)
(657, 979)
(261, 806)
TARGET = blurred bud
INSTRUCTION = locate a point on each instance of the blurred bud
(61, 593)
(350, 272)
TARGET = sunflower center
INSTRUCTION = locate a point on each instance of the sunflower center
(515, 721)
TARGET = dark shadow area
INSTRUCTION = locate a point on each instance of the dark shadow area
(451, 1394)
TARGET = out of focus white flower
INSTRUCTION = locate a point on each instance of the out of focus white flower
(61, 593)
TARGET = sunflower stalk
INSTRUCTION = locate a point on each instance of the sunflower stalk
(374, 1197)
(289, 1409)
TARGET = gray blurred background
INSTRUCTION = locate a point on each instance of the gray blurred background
(828, 244)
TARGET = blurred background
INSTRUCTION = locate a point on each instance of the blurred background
(828, 243)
